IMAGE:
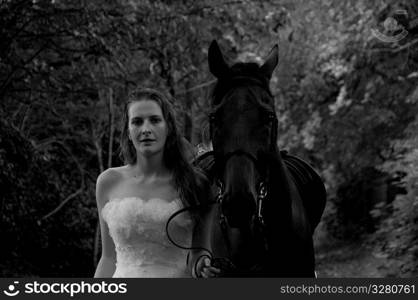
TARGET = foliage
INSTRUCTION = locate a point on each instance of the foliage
(397, 236)
(34, 245)
(346, 101)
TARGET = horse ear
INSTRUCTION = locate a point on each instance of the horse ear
(217, 64)
(271, 62)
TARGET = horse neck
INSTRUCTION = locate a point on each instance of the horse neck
(279, 182)
(286, 195)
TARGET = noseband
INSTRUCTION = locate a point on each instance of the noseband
(225, 263)
(261, 190)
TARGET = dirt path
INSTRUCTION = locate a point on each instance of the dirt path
(354, 261)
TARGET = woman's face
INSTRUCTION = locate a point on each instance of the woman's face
(147, 127)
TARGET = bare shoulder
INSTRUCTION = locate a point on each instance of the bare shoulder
(110, 175)
(106, 181)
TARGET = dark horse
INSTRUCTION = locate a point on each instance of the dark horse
(268, 202)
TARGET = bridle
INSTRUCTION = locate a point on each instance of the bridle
(262, 188)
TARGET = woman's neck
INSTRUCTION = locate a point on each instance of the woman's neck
(150, 166)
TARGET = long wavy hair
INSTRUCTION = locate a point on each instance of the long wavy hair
(175, 155)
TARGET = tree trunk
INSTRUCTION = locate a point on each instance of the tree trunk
(96, 250)
(188, 126)
(111, 127)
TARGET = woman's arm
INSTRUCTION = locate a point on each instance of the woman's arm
(200, 239)
(199, 262)
(107, 264)
(105, 267)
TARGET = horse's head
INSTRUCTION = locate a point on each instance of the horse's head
(243, 128)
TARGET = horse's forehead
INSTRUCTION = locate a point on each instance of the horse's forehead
(241, 98)
(245, 69)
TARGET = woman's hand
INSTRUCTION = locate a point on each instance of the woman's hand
(205, 269)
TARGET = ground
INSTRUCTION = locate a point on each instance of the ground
(357, 260)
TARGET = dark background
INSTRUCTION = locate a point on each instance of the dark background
(346, 98)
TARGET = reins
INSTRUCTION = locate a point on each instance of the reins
(222, 263)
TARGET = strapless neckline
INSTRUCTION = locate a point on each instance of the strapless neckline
(175, 200)
(151, 209)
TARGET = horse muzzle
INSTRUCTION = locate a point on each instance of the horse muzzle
(238, 209)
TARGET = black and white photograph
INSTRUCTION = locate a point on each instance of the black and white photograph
(208, 139)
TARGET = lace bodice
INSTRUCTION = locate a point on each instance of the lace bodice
(137, 228)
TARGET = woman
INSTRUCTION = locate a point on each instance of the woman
(135, 201)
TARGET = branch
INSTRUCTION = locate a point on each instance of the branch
(396, 50)
(197, 87)
(17, 111)
(10, 76)
(413, 42)
(111, 127)
(46, 142)
(73, 195)
(25, 118)
(97, 145)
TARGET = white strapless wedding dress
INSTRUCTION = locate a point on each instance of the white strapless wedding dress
(137, 228)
